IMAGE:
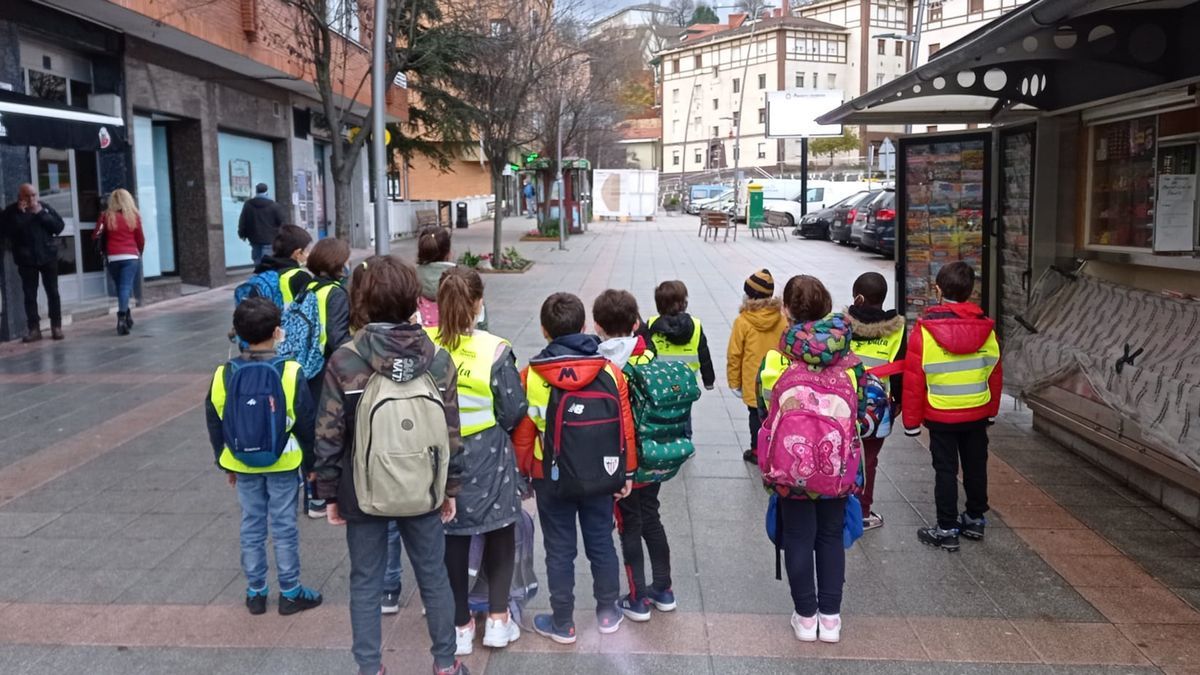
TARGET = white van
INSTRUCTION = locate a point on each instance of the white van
(784, 195)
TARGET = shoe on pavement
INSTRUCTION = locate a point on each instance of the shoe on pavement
(664, 601)
(298, 599)
(635, 609)
(500, 634)
(32, 336)
(56, 333)
(464, 639)
(256, 601)
(829, 627)
(872, 521)
(971, 528)
(805, 628)
(750, 456)
(608, 619)
(129, 318)
(939, 538)
(543, 624)
(459, 668)
(316, 508)
(391, 602)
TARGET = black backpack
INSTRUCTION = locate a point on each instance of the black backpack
(583, 448)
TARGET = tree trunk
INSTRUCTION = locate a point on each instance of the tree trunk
(497, 216)
(341, 208)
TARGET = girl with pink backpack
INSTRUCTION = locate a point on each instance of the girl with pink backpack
(809, 451)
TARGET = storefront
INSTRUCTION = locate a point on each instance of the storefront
(1080, 205)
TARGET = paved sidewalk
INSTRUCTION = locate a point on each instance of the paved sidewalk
(118, 539)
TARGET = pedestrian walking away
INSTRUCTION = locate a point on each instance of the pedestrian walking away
(260, 221)
(677, 335)
(31, 229)
(120, 237)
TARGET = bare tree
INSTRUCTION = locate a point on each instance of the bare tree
(679, 12)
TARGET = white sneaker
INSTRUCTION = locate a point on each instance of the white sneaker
(498, 634)
(464, 639)
(805, 627)
(831, 627)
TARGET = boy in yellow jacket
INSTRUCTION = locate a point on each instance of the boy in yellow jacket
(756, 330)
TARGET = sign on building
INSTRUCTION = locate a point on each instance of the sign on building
(240, 187)
(793, 113)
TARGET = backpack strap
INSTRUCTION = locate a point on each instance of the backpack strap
(779, 537)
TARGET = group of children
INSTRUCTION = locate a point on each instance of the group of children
(419, 428)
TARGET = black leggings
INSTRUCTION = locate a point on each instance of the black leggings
(499, 555)
(812, 532)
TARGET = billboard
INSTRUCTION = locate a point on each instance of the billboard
(793, 113)
(628, 193)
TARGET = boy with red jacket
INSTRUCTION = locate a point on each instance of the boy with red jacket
(578, 445)
(952, 384)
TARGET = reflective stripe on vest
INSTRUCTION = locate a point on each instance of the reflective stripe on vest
(285, 285)
(774, 363)
(474, 357)
(668, 351)
(537, 391)
(880, 351)
(290, 459)
(958, 381)
(322, 293)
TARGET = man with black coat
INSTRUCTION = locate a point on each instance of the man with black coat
(260, 221)
(32, 230)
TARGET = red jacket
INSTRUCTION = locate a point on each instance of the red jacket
(121, 239)
(960, 328)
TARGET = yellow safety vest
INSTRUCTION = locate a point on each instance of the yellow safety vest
(473, 359)
(669, 351)
(874, 352)
(285, 285)
(774, 363)
(958, 381)
(292, 455)
(322, 293)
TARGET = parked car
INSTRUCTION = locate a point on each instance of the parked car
(712, 203)
(699, 195)
(879, 230)
(816, 225)
(841, 227)
(820, 195)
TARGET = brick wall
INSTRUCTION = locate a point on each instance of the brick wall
(464, 179)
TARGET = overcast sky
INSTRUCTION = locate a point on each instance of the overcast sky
(603, 7)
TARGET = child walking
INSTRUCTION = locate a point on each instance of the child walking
(491, 403)
(878, 340)
(392, 390)
(677, 335)
(756, 330)
(953, 381)
(244, 415)
(818, 390)
(577, 444)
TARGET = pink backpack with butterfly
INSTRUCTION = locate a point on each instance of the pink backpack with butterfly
(809, 441)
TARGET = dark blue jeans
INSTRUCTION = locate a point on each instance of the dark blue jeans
(257, 251)
(558, 517)
(426, 543)
(812, 530)
(124, 274)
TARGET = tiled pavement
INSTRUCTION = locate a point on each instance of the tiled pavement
(118, 540)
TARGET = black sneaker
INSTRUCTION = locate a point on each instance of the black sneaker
(750, 456)
(298, 600)
(939, 538)
(256, 601)
(971, 528)
(391, 602)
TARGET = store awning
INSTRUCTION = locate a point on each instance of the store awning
(1047, 56)
(25, 120)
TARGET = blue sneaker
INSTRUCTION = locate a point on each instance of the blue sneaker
(635, 610)
(256, 601)
(543, 624)
(664, 601)
(298, 599)
(608, 619)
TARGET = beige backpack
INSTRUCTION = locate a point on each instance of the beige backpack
(401, 447)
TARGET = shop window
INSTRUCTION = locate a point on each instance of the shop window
(54, 181)
(1121, 208)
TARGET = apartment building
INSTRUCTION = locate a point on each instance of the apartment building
(191, 104)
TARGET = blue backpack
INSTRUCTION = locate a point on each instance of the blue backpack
(302, 327)
(254, 422)
(264, 285)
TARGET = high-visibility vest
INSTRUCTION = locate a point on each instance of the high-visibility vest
(537, 392)
(285, 284)
(668, 351)
(774, 364)
(322, 291)
(958, 381)
(290, 459)
(474, 357)
(874, 352)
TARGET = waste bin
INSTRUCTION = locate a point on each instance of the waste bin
(460, 215)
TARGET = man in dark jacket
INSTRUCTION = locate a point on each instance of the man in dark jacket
(260, 221)
(32, 229)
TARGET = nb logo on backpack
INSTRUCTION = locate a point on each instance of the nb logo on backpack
(576, 409)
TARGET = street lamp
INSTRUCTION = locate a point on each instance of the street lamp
(383, 235)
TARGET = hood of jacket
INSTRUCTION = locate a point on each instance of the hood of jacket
(570, 362)
(821, 344)
(959, 327)
(401, 351)
(260, 203)
(620, 350)
(764, 314)
(676, 328)
(270, 262)
(872, 322)
(430, 275)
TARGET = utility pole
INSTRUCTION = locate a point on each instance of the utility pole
(737, 141)
(383, 236)
(558, 177)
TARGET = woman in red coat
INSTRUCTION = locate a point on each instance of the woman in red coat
(121, 227)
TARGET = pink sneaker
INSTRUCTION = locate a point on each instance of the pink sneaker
(831, 627)
(805, 627)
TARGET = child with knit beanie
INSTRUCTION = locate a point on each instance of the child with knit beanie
(756, 330)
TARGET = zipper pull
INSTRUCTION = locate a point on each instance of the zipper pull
(554, 472)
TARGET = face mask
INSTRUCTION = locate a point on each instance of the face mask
(481, 317)
(282, 336)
